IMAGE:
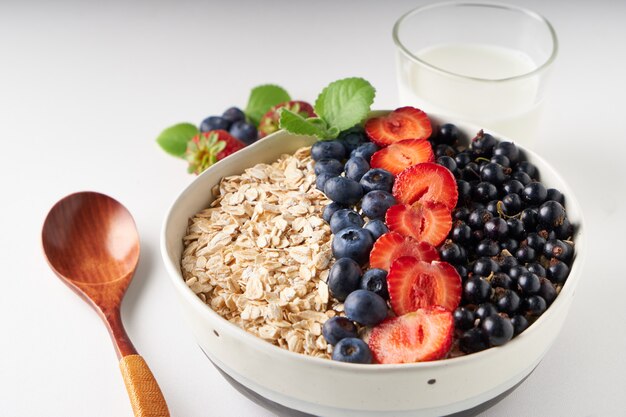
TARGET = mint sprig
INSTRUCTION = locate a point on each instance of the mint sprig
(174, 139)
(340, 106)
(262, 99)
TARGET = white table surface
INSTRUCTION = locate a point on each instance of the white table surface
(85, 87)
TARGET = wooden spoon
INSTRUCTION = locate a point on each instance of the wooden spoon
(91, 242)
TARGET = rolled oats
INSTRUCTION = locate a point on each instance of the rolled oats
(259, 255)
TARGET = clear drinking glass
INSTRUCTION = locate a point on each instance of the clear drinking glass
(484, 63)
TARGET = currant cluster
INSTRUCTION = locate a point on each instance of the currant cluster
(510, 240)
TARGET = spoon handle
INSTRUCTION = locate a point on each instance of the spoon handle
(144, 392)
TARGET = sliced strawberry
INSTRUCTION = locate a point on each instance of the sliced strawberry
(207, 148)
(269, 122)
(426, 183)
(417, 284)
(400, 124)
(400, 155)
(392, 245)
(423, 335)
(430, 222)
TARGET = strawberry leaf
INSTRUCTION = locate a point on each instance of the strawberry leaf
(262, 99)
(345, 103)
(296, 124)
(174, 139)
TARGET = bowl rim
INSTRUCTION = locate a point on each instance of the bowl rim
(203, 309)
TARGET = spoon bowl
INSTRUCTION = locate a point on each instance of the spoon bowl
(91, 243)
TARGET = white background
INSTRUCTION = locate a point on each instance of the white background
(85, 87)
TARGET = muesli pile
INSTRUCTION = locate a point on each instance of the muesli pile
(259, 256)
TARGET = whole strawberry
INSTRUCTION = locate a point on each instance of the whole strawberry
(269, 122)
(206, 148)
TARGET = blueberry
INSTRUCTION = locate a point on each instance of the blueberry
(353, 243)
(356, 167)
(331, 166)
(352, 350)
(365, 151)
(365, 307)
(345, 218)
(245, 132)
(321, 179)
(328, 149)
(377, 179)
(214, 123)
(376, 203)
(497, 329)
(375, 280)
(377, 228)
(343, 190)
(330, 209)
(343, 278)
(338, 328)
(234, 114)
(352, 138)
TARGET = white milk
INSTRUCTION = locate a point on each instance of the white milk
(509, 107)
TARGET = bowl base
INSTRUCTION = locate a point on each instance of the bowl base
(282, 411)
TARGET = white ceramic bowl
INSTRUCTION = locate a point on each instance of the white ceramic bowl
(329, 388)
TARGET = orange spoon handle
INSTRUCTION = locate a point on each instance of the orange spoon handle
(144, 392)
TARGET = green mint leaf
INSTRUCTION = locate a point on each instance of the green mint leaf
(173, 140)
(345, 103)
(296, 124)
(262, 99)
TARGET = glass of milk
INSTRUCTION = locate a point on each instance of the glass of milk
(484, 63)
